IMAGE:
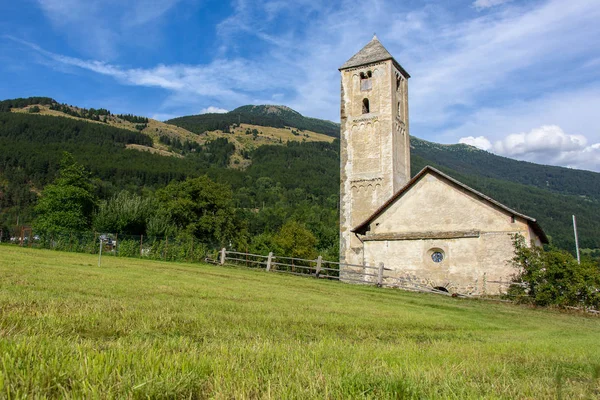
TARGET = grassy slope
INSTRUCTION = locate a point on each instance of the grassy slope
(136, 328)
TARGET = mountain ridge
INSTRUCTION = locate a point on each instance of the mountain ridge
(287, 158)
(261, 115)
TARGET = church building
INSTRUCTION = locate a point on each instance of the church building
(430, 229)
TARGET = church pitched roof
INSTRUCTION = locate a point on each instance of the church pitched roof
(362, 228)
(372, 52)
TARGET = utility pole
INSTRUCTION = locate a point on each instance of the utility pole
(576, 239)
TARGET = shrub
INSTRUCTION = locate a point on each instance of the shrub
(554, 277)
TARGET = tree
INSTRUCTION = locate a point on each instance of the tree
(125, 213)
(554, 277)
(294, 240)
(201, 208)
(68, 203)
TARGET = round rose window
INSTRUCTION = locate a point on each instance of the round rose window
(437, 256)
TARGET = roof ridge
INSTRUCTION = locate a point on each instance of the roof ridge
(371, 53)
(427, 168)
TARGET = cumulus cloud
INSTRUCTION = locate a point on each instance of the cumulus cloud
(480, 142)
(482, 4)
(213, 110)
(547, 139)
(547, 144)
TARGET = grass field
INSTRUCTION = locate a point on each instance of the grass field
(144, 329)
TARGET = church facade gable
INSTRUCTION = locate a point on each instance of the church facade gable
(435, 203)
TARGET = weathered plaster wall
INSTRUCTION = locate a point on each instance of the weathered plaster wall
(434, 215)
(434, 204)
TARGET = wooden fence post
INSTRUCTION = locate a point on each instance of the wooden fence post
(380, 275)
(269, 259)
(319, 262)
(223, 250)
(166, 247)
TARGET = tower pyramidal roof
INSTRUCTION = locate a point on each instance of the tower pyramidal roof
(373, 52)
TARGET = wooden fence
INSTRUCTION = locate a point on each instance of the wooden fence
(322, 269)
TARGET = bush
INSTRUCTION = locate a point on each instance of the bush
(554, 277)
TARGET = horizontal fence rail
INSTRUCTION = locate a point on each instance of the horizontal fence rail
(322, 269)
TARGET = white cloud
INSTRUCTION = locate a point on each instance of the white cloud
(163, 117)
(547, 139)
(483, 4)
(98, 27)
(480, 142)
(227, 80)
(547, 144)
(486, 56)
(213, 110)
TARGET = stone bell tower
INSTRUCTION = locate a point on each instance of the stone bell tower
(375, 147)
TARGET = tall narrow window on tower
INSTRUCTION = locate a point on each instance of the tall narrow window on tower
(365, 80)
(365, 108)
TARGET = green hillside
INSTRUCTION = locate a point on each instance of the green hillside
(265, 115)
(148, 329)
(279, 182)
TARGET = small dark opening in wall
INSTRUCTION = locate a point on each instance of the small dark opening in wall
(398, 81)
(513, 219)
(365, 107)
(441, 289)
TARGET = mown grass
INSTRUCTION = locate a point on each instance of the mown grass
(148, 329)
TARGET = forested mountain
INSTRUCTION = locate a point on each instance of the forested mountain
(281, 181)
(265, 115)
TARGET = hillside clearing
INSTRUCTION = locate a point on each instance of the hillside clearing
(135, 329)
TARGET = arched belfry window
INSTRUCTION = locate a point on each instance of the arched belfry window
(365, 106)
(365, 80)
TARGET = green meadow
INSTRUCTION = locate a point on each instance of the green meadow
(146, 329)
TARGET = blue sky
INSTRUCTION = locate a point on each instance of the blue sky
(518, 78)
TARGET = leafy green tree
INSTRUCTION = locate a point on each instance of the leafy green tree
(201, 208)
(68, 203)
(160, 224)
(125, 213)
(554, 277)
(294, 240)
